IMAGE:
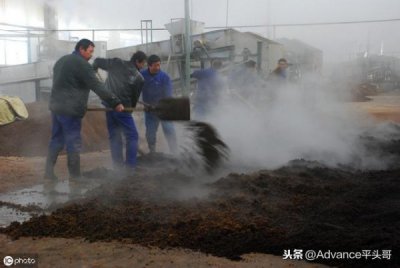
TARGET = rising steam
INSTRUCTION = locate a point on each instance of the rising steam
(304, 120)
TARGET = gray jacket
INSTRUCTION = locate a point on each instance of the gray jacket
(123, 80)
(73, 78)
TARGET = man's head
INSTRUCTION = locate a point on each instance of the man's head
(282, 64)
(154, 63)
(139, 59)
(85, 48)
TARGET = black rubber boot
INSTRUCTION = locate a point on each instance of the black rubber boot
(51, 160)
(152, 148)
(74, 166)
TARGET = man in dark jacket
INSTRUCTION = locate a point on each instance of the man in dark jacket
(125, 81)
(157, 85)
(73, 78)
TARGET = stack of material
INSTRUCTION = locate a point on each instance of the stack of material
(11, 109)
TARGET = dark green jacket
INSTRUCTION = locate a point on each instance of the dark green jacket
(73, 78)
(124, 80)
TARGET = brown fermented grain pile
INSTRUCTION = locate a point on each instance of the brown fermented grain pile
(303, 205)
(31, 137)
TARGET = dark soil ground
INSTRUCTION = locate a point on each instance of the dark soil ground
(304, 205)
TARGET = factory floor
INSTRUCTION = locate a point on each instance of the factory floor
(21, 178)
(23, 175)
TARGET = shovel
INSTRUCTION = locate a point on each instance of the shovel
(169, 109)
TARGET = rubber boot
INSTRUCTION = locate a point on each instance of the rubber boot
(74, 166)
(152, 148)
(51, 160)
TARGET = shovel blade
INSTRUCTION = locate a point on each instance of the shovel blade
(173, 109)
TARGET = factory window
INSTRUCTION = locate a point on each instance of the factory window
(13, 51)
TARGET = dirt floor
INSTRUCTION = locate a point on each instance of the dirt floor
(382, 107)
(163, 216)
(17, 172)
(304, 205)
(62, 252)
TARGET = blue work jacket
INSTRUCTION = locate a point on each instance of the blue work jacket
(156, 86)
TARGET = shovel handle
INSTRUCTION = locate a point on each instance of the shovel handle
(105, 109)
(146, 105)
(169, 109)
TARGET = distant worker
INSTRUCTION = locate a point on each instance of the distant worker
(245, 80)
(209, 87)
(244, 77)
(280, 72)
(157, 85)
(73, 78)
(125, 81)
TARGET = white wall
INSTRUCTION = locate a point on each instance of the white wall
(26, 91)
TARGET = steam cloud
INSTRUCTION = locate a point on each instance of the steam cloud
(296, 121)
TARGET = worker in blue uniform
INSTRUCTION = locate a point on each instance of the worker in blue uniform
(157, 85)
(125, 81)
(209, 87)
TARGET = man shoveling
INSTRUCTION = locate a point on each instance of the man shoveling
(73, 79)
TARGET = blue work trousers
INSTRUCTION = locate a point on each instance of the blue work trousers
(122, 124)
(66, 131)
(152, 122)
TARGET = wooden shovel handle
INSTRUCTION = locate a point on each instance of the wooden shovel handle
(105, 109)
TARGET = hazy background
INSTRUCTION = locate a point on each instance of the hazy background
(338, 42)
(302, 121)
(269, 18)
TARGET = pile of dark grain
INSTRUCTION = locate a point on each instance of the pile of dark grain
(303, 205)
